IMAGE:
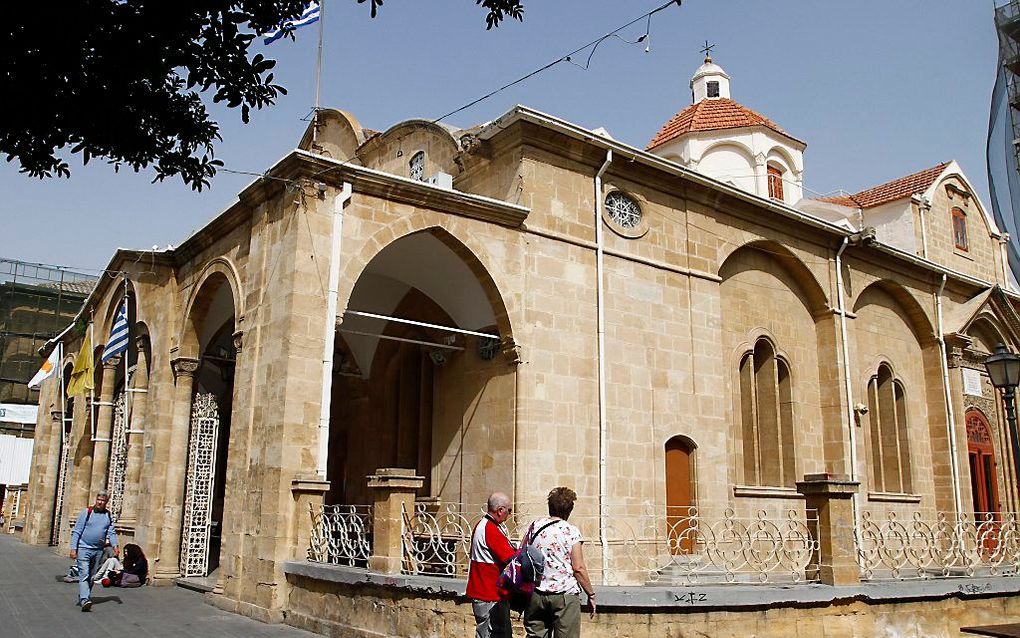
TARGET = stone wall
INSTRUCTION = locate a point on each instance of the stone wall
(338, 602)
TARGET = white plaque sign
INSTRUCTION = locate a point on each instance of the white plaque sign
(972, 382)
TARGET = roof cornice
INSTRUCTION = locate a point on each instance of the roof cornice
(302, 164)
(835, 232)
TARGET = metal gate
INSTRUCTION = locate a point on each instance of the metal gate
(118, 457)
(198, 494)
(62, 471)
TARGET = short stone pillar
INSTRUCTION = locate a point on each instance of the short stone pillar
(308, 493)
(831, 495)
(394, 491)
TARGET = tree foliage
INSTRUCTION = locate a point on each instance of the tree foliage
(124, 80)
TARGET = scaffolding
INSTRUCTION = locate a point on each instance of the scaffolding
(36, 303)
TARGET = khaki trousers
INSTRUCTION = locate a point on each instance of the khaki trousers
(553, 616)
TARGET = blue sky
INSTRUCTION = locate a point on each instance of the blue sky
(877, 89)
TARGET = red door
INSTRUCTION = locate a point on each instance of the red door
(982, 465)
(679, 495)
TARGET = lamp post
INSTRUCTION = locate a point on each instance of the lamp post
(1003, 368)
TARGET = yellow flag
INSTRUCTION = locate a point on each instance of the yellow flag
(84, 373)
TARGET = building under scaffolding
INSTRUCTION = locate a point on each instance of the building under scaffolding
(1004, 130)
(36, 302)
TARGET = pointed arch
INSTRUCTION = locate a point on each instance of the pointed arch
(219, 270)
(470, 251)
(912, 312)
(812, 291)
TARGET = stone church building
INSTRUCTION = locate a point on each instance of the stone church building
(739, 381)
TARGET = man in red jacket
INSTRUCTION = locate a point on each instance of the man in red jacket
(490, 552)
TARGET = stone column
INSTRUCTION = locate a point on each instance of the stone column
(393, 494)
(236, 453)
(139, 402)
(45, 458)
(177, 458)
(104, 425)
(832, 497)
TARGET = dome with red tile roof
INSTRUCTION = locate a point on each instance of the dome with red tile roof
(712, 114)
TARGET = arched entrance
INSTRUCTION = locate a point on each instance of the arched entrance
(680, 494)
(981, 455)
(212, 324)
(417, 384)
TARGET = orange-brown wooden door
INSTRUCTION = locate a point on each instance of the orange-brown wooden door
(680, 495)
(981, 454)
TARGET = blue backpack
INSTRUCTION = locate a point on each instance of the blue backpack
(524, 572)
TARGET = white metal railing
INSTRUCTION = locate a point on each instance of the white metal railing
(895, 548)
(643, 544)
(341, 534)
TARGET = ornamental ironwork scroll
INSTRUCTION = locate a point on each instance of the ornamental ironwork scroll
(58, 509)
(644, 546)
(341, 534)
(118, 457)
(942, 546)
(198, 494)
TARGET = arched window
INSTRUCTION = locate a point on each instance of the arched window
(960, 238)
(416, 167)
(775, 182)
(766, 417)
(890, 452)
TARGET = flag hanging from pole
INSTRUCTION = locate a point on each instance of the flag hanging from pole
(310, 15)
(83, 376)
(118, 342)
(48, 369)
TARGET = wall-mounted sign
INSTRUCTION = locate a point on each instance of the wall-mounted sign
(972, 382)
(17, 413)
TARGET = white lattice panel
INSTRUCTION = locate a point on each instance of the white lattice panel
(118, 457)
(205, 425)
(58, 508)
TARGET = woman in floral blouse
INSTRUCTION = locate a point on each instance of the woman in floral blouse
(555, 608)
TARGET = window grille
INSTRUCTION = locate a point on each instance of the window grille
(623, 210)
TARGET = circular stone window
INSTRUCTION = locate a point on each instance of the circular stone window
(623, 211)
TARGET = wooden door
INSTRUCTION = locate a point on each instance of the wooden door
(680, 495)
(981, 455)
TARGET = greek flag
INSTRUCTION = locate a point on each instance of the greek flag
(118, 334)
(311, 14)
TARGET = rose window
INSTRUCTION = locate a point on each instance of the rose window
(623, 210)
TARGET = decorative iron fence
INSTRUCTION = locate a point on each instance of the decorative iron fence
(939, 547)
(642, 546)
(341, 534)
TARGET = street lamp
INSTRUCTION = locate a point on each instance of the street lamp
(1003, 368)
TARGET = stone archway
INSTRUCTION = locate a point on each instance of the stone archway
(412, 387)
(208, 339)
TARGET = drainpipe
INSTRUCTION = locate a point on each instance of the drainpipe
(850, 421)
(944, 362)
(330, 331)
(923, 206)
(600, 308)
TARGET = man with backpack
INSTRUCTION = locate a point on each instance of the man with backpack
(490, 552)
(92, 532)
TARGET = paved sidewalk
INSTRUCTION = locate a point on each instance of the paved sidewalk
(34, 603)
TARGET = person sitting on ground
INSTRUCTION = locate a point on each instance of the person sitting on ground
(132, 573)
(555, 608)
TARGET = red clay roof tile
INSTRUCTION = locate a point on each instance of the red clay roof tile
(890, 191)
(711, 115)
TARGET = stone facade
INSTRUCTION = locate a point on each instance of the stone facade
(510, 399)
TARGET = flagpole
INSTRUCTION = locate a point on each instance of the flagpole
(318, 72)
(127, 351)
(92, 390)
